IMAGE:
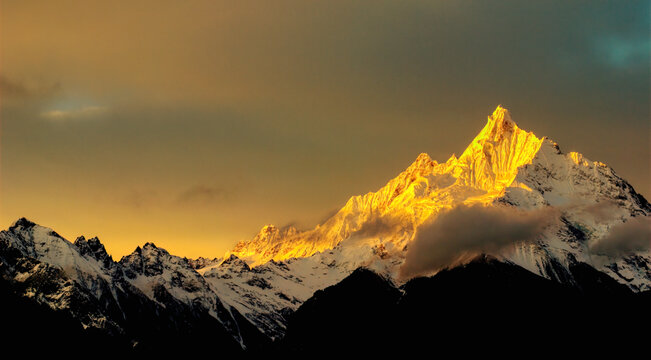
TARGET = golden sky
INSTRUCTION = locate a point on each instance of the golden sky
(193, 124)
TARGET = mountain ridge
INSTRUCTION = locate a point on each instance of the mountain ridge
(251, 292)
(503, 165)
(462, 170)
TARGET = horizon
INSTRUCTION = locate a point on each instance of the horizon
(194, 126)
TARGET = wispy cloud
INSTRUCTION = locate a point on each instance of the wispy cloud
(203, 195)
(141, 199)
(85, 112)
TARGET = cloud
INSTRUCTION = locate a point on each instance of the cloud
(601, 211)
(623, 52)
(378, 226)
(11, 88)
(633, 235)
(141, 199)
(73, 114)
(203, 195)
(199, 195)
(464, 231)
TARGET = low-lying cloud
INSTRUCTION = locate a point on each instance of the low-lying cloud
(85, 112)
(378, 226)
(631, 236)
(11, 88)
(468, 230)
(601, 211)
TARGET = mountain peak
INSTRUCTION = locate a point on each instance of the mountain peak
(423, 161)
(422, 157)
(93, 248)
(150, 245)
(488, 165)
(499, 123)
(269, 228)
(494, 156)
(24, 223)
(268, 237)
(421, 166)
(501, 115)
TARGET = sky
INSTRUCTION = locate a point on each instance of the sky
(193, 124)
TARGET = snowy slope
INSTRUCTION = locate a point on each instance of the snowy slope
(172, 281)
(113, 297)
(55, 273)
(591, 199)
(266, 294)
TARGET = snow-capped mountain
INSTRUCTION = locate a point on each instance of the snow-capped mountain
(145, 298)
(254, 289)
(503, 166)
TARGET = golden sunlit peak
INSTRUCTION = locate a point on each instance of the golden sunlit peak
(489, 165)
(501, 113)
(423, 160)
(268, 228)
(423, 157)
(500, 121)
